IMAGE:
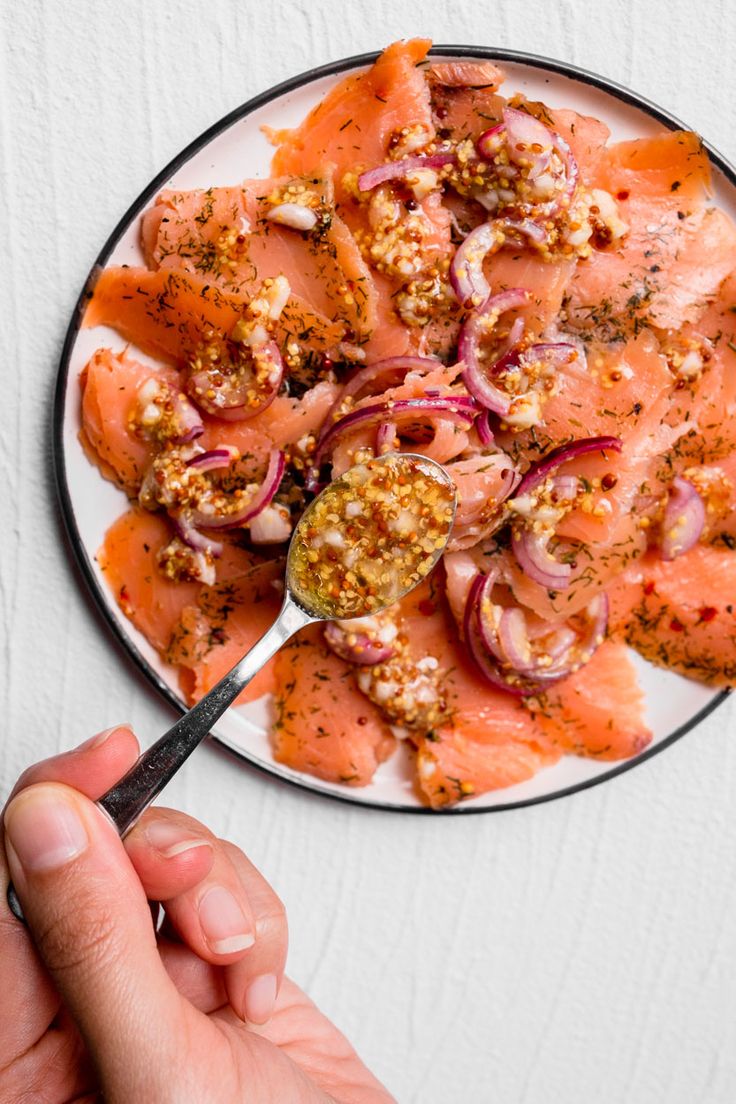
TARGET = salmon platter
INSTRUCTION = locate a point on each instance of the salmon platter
(503, 264)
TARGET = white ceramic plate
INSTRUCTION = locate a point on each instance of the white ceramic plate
(234, 149)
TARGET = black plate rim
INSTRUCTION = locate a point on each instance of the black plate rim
(71, 529)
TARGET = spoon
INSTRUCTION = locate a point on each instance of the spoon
(368, 539)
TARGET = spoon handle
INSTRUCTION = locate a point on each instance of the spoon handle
(145, 780)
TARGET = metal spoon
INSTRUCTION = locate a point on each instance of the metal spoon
(135, 791)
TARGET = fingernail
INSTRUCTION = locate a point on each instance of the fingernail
(44, 829)
(170, 840)
(100, 738)
(260, 999)
(223, 922)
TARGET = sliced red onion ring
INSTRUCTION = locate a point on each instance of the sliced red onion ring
(253, 506)
(377, 377)
(551, 352)
(456, 408)
(400, 170)
(220, 457)
(187, 422)
(597, 611)
(529, 141)
(365, 651)
(230, 397)
(483, 428)
(487, 665)
(466, 269)
(516, 332)
(559, 456)
(510, 644)
(491, 141)
(187, 417)
(188, 532)
(385, 438)
(572, 173)
(534, 558)
(684, 519)
(520, 128)
(514, 639)
(475, 328)
(566, 486)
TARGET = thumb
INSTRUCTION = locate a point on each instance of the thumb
(92, 927)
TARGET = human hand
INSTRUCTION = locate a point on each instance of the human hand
(97, 1003)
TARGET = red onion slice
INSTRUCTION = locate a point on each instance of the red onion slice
(253, 506)
(187, 416)
(188, 532)
(559, 456)
(238, 396)
(366, 651)
(400, 170)
(509, 645)
(487, 666)
(214, 459)
(521, 129)
(568, 659)
(466, 269)
(491, 141)
(534, 558)
(514, 639)
(378, 377)
(572, 174)
(456, 408)
(684, 519)
(385, 438)
(475, 328)
(565, 487)
(530, 143)
(483, 428)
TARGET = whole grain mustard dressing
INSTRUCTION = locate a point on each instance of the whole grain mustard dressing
(371, 536)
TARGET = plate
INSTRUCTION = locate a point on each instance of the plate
(234, 149)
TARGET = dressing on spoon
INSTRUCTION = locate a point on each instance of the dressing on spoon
(371, 536)
(368, 539)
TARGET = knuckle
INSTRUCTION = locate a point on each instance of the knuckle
(272, 922)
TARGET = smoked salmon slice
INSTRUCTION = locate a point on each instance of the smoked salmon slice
(366, 111)
(686, 616)
(166, 313)
(324, 725)
(598, 711)
(128, 559)
(225, 235)
(215, 632)
(110, 385)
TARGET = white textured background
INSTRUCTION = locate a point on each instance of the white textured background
(583, 951)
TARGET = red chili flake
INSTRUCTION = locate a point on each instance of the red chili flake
(362, 720)
(623, 194)
(427, 607)
(124, 594)
(707, 613)
(676, 626)
(649, 588)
